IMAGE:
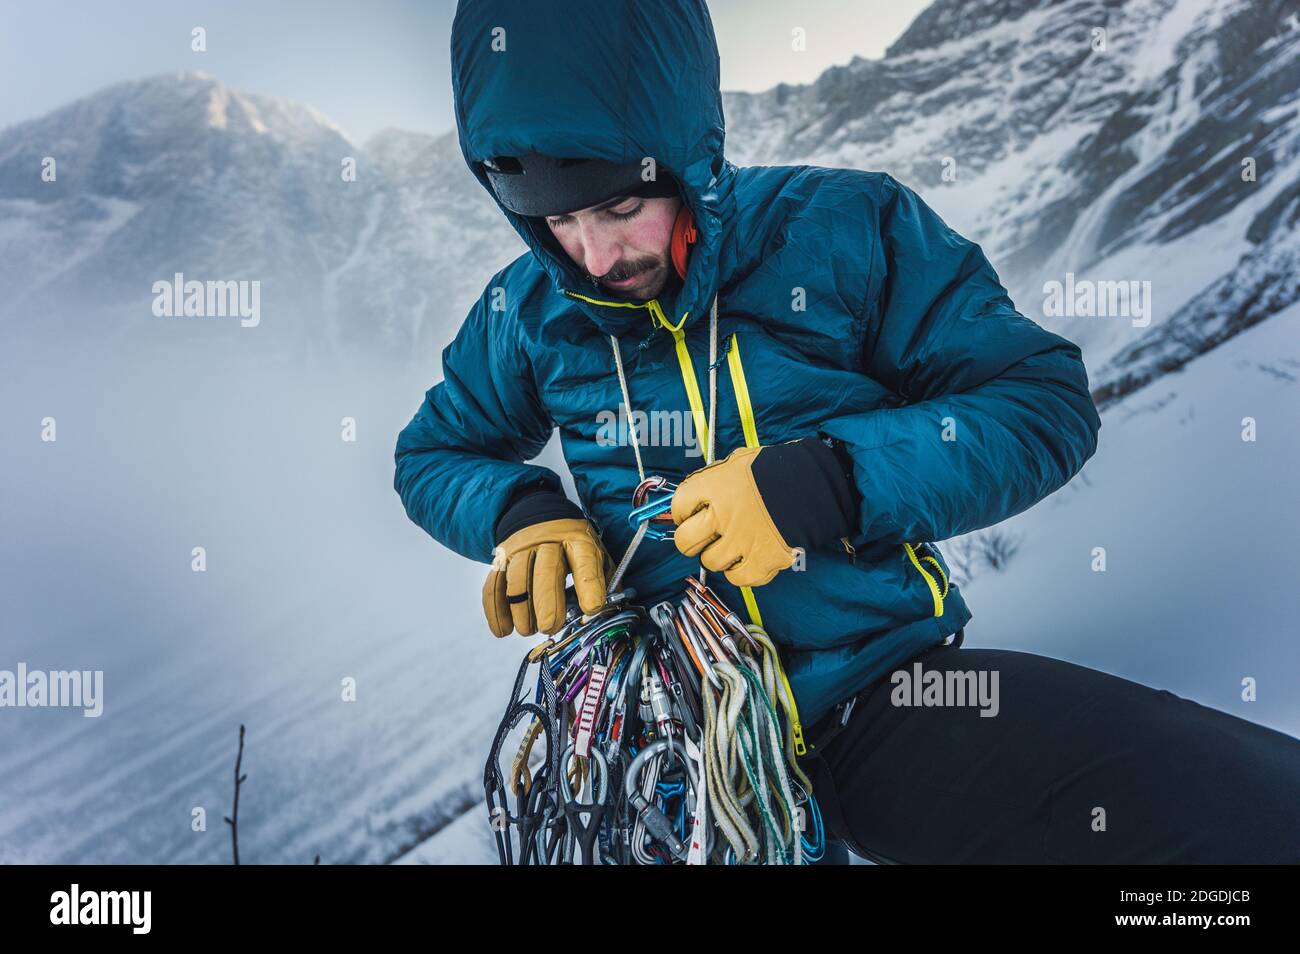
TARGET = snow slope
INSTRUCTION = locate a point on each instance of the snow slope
(1199, 529)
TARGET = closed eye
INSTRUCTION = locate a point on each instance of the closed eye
(624, 216)
(560, 221)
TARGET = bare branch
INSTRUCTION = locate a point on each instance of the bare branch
(233, 818)
(997, 547)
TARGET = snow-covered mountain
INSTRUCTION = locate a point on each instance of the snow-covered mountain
(1103, 138)
(178, 173)
(1099, 138)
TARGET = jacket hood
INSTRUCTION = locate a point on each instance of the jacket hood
(619, 80)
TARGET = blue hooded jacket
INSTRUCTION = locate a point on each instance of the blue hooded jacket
(847, 309)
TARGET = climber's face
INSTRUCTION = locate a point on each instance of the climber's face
(623, 243)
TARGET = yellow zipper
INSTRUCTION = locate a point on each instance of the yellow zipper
(611, 304)
(742, 393)
(687, 369)
(935, 592)
(938, 569)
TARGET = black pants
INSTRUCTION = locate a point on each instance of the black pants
(1077, 766)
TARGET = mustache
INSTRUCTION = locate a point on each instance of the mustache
(626, 270)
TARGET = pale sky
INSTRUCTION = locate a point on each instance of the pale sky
(373, 64)
(754, 36)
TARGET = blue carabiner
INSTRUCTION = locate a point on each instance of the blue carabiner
(646, 514)
(650, 511)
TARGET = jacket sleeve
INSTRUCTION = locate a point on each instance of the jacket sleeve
(461, 458)
(1012, 397)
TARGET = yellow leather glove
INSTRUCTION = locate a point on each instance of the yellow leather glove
(720, 516)
(525, 588)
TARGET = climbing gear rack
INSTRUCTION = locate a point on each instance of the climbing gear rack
(659, 737)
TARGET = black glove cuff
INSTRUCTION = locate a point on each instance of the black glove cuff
(807, 488)
(533, 505)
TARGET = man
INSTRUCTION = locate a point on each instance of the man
(874, 390)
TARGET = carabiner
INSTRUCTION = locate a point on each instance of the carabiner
(655, 513)
(584, 818)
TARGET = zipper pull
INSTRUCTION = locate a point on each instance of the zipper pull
(723, 357)
(848, 548)
(796, 734)
(645, 342)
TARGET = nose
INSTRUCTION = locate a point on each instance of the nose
(600, 251)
